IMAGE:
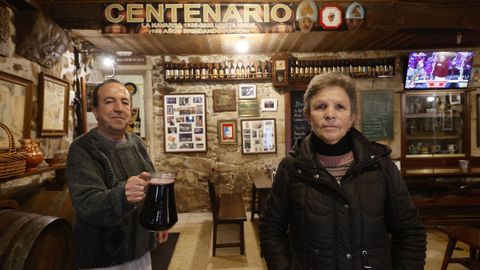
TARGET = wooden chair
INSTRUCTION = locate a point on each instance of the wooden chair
(467, 234)
(227, 209)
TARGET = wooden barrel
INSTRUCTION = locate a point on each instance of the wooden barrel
(51, 203)
(30, 241)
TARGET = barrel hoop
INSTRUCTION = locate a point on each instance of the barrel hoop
(18, 254)
(15, 226)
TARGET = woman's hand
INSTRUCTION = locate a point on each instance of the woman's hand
(161, 236)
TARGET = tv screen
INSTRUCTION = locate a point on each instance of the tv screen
(438, 70)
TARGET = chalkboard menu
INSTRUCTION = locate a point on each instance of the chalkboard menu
(300, 126)
(377, 115)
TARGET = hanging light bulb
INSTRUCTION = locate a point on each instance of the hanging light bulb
(242, 45)
(109, 62)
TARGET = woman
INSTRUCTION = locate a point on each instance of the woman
(338, 201)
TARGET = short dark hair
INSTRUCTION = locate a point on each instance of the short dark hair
(94, 93)
(330, 79)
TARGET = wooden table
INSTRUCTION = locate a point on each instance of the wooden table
(261, 184)
(467, 234)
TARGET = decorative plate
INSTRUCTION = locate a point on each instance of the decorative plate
(131, 87)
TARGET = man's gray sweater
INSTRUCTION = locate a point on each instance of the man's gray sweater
(106, 229)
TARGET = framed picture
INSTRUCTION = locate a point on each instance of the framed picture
(53, 106)
(259, 136)
(478, 120)
(248, 108)
(268, 104)
(131, 124)
(15, 108)
(185, 123)
(224, 100)
(475, 78)
(455, 98)
(247, 91)
(89, 91)
(227, 132)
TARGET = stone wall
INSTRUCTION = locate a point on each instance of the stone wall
(19, 66)
(225, 165)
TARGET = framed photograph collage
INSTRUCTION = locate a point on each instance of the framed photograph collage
(185, 123)
(259, 136)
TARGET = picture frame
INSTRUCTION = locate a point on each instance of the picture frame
(248, 108)
(53, 106)
(15, 108)
(478, 120)
(455, 98)
(247, 91)
(227, 131)
(259, 136)
(185, 123)
(131, 124)
(224, 100)
(268, 104)
(475, 77)
(89, 91)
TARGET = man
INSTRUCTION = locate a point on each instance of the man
(107, 175)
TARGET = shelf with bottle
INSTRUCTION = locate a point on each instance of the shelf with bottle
(300, 70)
(222, 71)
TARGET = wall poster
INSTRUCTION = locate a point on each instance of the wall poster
(185, 123)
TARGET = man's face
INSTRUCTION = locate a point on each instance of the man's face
(114, 109)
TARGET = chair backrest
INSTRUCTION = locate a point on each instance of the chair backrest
(213, 199)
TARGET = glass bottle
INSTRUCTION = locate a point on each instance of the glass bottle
(253, 70)
(259, 70)
(267, 70)
(138, 124)
(233, 73)
(221, 71)
(214, 71)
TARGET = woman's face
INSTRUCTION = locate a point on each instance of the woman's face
(330, 114)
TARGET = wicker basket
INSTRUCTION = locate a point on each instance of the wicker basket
(12, 162)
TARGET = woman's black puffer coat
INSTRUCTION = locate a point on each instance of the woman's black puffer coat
(367, 222)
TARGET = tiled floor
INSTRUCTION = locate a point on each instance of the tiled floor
(193, 250)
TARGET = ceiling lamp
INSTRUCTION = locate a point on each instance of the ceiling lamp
(109, 62)
(242, 45)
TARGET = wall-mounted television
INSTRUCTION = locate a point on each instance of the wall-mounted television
(438, 69)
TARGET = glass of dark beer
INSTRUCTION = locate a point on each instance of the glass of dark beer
(159, 211)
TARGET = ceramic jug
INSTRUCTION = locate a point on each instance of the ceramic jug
(34, 154)
(452, 148)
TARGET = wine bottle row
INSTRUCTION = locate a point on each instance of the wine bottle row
(300, 69)
(218, 71)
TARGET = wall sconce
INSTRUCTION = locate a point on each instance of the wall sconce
(109, 62)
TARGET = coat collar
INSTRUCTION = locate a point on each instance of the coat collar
(364, 151)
